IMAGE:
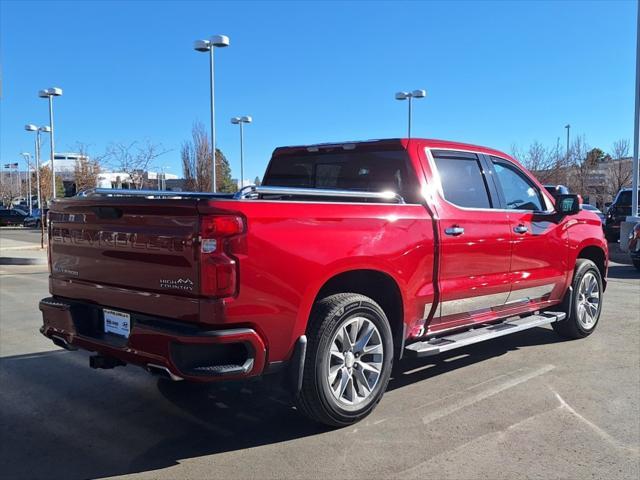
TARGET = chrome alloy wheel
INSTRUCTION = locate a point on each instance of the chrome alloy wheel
(588, 301)
(355, 361)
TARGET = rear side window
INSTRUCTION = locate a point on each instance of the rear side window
(463, 182)
(369, 171)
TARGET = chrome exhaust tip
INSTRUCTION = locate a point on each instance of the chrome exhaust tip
(162, 371)
(62, 342)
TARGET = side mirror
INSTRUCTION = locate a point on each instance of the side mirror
(568, 204)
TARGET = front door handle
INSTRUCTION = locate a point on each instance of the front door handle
(520, 229)
(454, 231)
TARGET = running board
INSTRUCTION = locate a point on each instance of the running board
(438, 345)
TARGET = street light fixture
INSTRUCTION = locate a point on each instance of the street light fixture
(27, 158)
(409, 96)
(49, 93)
(240, 121)
(219, 41)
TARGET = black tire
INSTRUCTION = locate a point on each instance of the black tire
(316, 399)
(571, 327)
(38, 223)
(636, 263)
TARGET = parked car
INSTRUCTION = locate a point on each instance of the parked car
(347, 258)
(22, 210)
(618, 211)
(11, 217)
(634, 246)
(591, 208)
(34, 220)
(556, 190)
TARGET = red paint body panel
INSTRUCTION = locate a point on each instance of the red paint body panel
(292, 249)
(142, 255)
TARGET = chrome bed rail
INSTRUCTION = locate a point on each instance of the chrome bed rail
(247, 193)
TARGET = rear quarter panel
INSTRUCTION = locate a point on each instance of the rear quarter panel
(291, 249)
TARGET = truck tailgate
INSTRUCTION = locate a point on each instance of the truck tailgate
(140, 250)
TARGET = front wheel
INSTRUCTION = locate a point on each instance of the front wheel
(349, 360)
(583, 308)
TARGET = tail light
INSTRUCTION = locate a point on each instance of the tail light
(218, 271)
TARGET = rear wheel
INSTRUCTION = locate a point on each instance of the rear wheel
(349, 359)
(636, 263)
(583, 308)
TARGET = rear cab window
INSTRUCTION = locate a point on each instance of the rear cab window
(356, 170)
(462, 179)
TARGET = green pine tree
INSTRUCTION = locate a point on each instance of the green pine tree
(224, 182)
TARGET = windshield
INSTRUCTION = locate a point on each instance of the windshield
(369, 171)
(625, 198)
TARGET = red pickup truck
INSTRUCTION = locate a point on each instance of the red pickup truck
(348, 257)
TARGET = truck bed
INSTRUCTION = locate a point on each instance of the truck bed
(142, 255)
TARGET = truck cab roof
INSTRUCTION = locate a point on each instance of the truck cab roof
(390, 144)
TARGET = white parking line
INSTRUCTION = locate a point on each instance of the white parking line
(604, 435)
(467, 402)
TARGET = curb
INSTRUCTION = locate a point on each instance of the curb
(20, 247)
(22, 261)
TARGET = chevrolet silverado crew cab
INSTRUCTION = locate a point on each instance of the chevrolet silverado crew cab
(347, 258)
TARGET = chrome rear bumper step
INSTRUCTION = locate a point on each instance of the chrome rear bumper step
(438, 345)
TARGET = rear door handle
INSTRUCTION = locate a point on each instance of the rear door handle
(454, 231)
(520, 229)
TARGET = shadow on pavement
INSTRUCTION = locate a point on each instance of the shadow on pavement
(623, 272)
(60, 419)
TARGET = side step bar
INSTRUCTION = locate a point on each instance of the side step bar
(438, 345)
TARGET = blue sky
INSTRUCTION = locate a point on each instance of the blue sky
(496, 73)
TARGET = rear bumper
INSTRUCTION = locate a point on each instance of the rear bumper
(183, 351)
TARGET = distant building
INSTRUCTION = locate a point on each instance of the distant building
(606, 177)
(123, 180)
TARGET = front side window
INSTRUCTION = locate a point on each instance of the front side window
(463, 183)
(519, 192)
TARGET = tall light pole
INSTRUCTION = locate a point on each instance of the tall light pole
(164, 176)
(162, 184)
(240, 121)
(636, 127)
(49, 93)
(27, 158)
(32, 128)
(568, 127)
(16, 166)
(219, 41)
(409, 96)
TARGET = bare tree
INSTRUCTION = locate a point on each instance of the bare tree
(547, 164)
(86, 169)
(8, 188)
(581, 167)
(196, 163)
(196, 160)
(620, 171)
(134, 159)
(45, 185)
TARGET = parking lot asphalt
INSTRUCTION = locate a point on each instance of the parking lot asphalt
(526, 405)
